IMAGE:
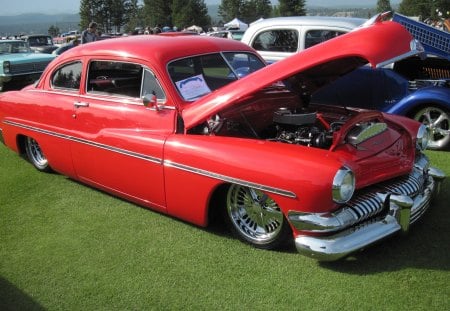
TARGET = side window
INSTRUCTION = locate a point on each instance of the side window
(276, 40)
(115, 78)
(68, 77)
(317, 36)
(151, 85)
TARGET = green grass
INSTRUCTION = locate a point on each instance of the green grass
(65, 246)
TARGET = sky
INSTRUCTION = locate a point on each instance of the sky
(14, 7)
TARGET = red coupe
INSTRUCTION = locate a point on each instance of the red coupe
(197, 127)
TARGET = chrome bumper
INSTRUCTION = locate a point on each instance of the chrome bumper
(354, 228)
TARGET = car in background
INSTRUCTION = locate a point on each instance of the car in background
(180, 131)
(227, 34)
(279, 37)
(19, 65)
(418, 88)
(40, 43)
(67, 46)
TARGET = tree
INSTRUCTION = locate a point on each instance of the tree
(246, 10)
(190, 12)
(383, 6)
(158, 12)
(255, 9)
(134, 16)
(229, 9)
(53, 31)
(292, 7)
(425, 9)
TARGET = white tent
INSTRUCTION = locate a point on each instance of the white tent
(236, 24)
(195, 28)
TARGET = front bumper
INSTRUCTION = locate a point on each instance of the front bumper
(373, 216)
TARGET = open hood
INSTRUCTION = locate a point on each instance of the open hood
(378, 45)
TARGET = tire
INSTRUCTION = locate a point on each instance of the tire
(255, 218)
(36, 156)
(438, 120)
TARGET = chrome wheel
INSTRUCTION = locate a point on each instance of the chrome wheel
(255, 217)
(35, 155)
(438, 121)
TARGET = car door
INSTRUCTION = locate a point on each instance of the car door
(120, 145)
(52, 117)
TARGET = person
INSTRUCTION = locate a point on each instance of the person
(89, 35)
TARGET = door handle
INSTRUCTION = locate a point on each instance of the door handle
(80, 104)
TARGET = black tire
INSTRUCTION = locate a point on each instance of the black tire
(255, 218)
(438, 121)
(36, 156)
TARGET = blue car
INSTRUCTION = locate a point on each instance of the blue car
(419, 89)
(414, 87)
(19, 65)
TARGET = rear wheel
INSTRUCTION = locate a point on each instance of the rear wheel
(255, 218)
(35, 155)
(438, 121)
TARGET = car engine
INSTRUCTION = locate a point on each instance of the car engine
(307, 129)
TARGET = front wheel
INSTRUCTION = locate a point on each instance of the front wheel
(255, 218)
(438, 121)
(36, 156)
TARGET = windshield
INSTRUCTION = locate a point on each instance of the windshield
(14, 47)
(40, 41)
(197, 76)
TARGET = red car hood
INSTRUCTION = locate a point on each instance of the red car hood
(378, 45)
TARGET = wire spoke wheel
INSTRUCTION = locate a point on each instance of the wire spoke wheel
(35, 155)
(438, 121)
(255, 217)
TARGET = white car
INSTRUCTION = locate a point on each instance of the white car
(279, 37)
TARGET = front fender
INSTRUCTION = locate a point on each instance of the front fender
(439, 96)
(195, 165)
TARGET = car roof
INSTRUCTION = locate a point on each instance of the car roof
(347, 22)
(160, 48)
(11, 40)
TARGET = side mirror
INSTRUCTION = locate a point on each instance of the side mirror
(151, 101)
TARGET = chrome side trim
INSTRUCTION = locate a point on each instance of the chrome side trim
(229, 179)
(112, 99)
(87, 142)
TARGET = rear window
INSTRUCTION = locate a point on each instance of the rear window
(197, 76)
(277, 40)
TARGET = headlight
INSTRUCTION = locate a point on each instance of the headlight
(343, 185)
(423, 137)
(6, 66)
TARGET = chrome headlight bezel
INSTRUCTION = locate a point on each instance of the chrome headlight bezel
(423, 137)
(6, 67)
(343, 185)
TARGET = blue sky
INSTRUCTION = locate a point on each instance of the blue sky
(13, 7)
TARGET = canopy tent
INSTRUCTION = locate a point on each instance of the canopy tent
(236, 24)
(195, 28)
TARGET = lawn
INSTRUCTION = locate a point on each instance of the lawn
(65, 246)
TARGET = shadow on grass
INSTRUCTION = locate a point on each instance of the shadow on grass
(12, 298)
(425, 246)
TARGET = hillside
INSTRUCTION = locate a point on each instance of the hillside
(39, 23)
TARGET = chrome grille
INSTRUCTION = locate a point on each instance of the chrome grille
(369, 203)
(409, 186)
(365, 206)
(29, 67)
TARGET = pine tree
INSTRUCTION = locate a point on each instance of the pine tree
(383, 6)
(158, 12)
(186, 13)
(292, 7)
(229, 9)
